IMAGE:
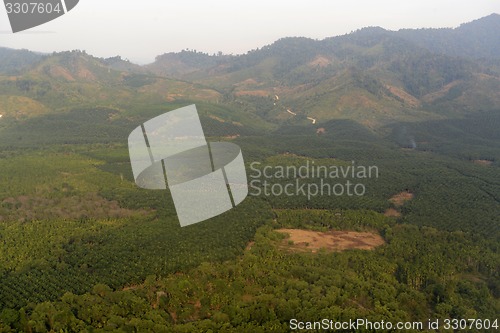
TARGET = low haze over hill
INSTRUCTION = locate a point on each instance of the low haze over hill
(372, 75)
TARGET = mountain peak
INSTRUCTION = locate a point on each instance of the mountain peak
(476, 39)
(491, 21)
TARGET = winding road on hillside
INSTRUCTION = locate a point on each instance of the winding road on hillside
(313, 120)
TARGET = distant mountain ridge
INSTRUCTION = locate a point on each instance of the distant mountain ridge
(14, 61)
(373, 76)
(476, 39)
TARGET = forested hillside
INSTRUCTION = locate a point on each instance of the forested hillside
(477, 39)
(15, 61)
(82, 248)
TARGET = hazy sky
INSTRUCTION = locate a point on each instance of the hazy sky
(142, 29)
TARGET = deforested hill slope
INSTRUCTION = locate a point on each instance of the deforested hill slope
(371, 75)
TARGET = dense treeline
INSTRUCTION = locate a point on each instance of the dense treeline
(68, 225)
(474, 137)
(72, 221)
(83, 249)
(78, 126)
(113, 125)
(419, 273)
(475, 39)
(424, 74)
(14, 61)
(451, 192)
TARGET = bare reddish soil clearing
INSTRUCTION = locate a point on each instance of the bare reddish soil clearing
(308, 240)
(249, 246)
(260, 93)
(407, 98)
(321, 130)
(483, 162)
(320, 61)
(400, 198)
(391, 212)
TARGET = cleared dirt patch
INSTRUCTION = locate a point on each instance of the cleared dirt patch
(400, 198)
(429, 98)
(391, 212)
(308, 240)
(247, 82)
(403, 95)
(483, 162)
(249, 246)
(58, 71)
(261, 93)
(321, 130)
(84, 73)
(220, 120)
(320, 61)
